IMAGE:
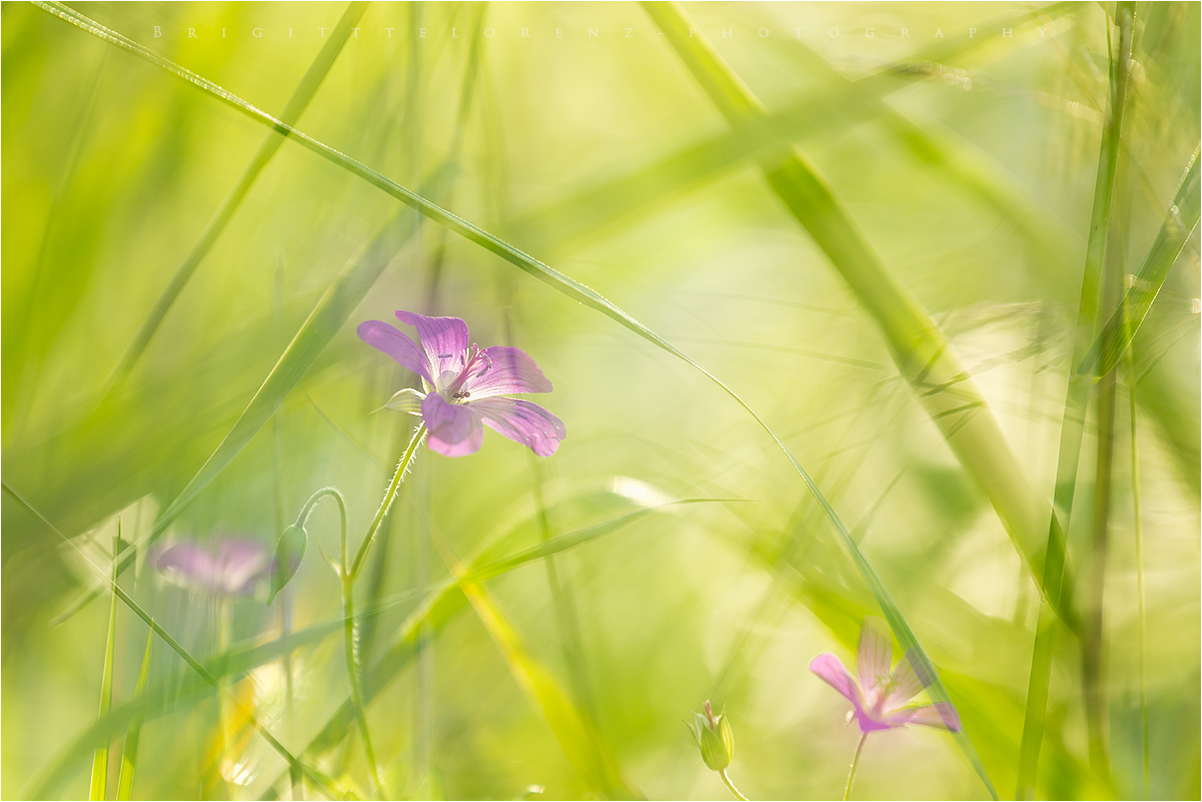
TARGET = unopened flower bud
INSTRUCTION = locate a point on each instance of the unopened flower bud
(714, 738)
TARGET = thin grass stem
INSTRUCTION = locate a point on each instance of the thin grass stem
(1137, 512)
(100, 761)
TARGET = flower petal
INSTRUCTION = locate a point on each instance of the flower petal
(874, 658)
(832, 671)
(906, 684)
(381, 336)
(501, 369)
(240, 564)
(455, 430)
(187, 565)
(444, 339)
(942, 715)
(406, 400)
(522, 422)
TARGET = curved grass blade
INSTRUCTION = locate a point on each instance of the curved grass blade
(327, 318)
(100, 761)
(562, 225)
(129, 757)
(295, 107)
(581, 744)
(49, 779)
(1180, 221)
(558, 281)
(440, 603)
(920, 349)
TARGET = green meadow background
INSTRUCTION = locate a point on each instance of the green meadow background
(888, 269)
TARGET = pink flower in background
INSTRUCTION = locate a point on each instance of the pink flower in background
(466, 388)
(879, 695)
(230, 566)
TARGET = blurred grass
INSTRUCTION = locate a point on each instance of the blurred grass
(968, 164)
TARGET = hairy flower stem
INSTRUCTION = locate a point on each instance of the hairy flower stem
(855, 764)
(352, 670)
(401, 468)
(726, 779)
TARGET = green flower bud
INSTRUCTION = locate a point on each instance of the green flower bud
(714, 737)
(289, 551)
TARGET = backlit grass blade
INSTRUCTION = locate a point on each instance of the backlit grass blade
(326, 320)
(51, 778)
(296, 106)
(1180, 221)
(566, 223)
(921, 351)
(573, 289)
(129, 756)
(440, 603)
(581, 744)
(100, 761)
(1073, 420)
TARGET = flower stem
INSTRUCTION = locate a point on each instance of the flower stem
(386, 502)
(726, 779)
(855, 764)
(352, 669)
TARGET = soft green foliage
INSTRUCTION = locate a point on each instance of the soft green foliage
(810, 305)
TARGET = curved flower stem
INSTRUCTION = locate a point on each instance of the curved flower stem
(726, 779)
(352, 668)
(855, 764)
(386, 502)
(351, 640)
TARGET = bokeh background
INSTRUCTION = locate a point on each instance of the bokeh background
(971, 170)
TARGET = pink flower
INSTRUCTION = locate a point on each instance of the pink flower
(466, 389)
(227, 566)
(879, 695)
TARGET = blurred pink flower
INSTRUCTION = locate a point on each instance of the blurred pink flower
(230, 566)
(466, 388)
(879, 695)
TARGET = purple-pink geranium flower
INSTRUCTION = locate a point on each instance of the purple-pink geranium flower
(879, 696)
(466, 388)
(230, 566)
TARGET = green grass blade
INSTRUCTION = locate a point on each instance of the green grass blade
(326, 320)
(296, 106)
(129, 756)
(441, 602)
(1180, 221)
(48, 779)
(100, 761)
(560, 282)
(581, 744)
(564, 224)
(1075, 403)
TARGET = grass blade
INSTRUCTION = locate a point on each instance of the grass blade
(129, 757)
(327, 318)
(1180, 221)
(100, 761)
(581, 743)
(49, 779)
(439, 605)
(1075, 403)
(564, 224)
(296, 106)
(558, 281)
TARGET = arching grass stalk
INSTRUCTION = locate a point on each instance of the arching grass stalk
(347, 574)
(855, 764)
